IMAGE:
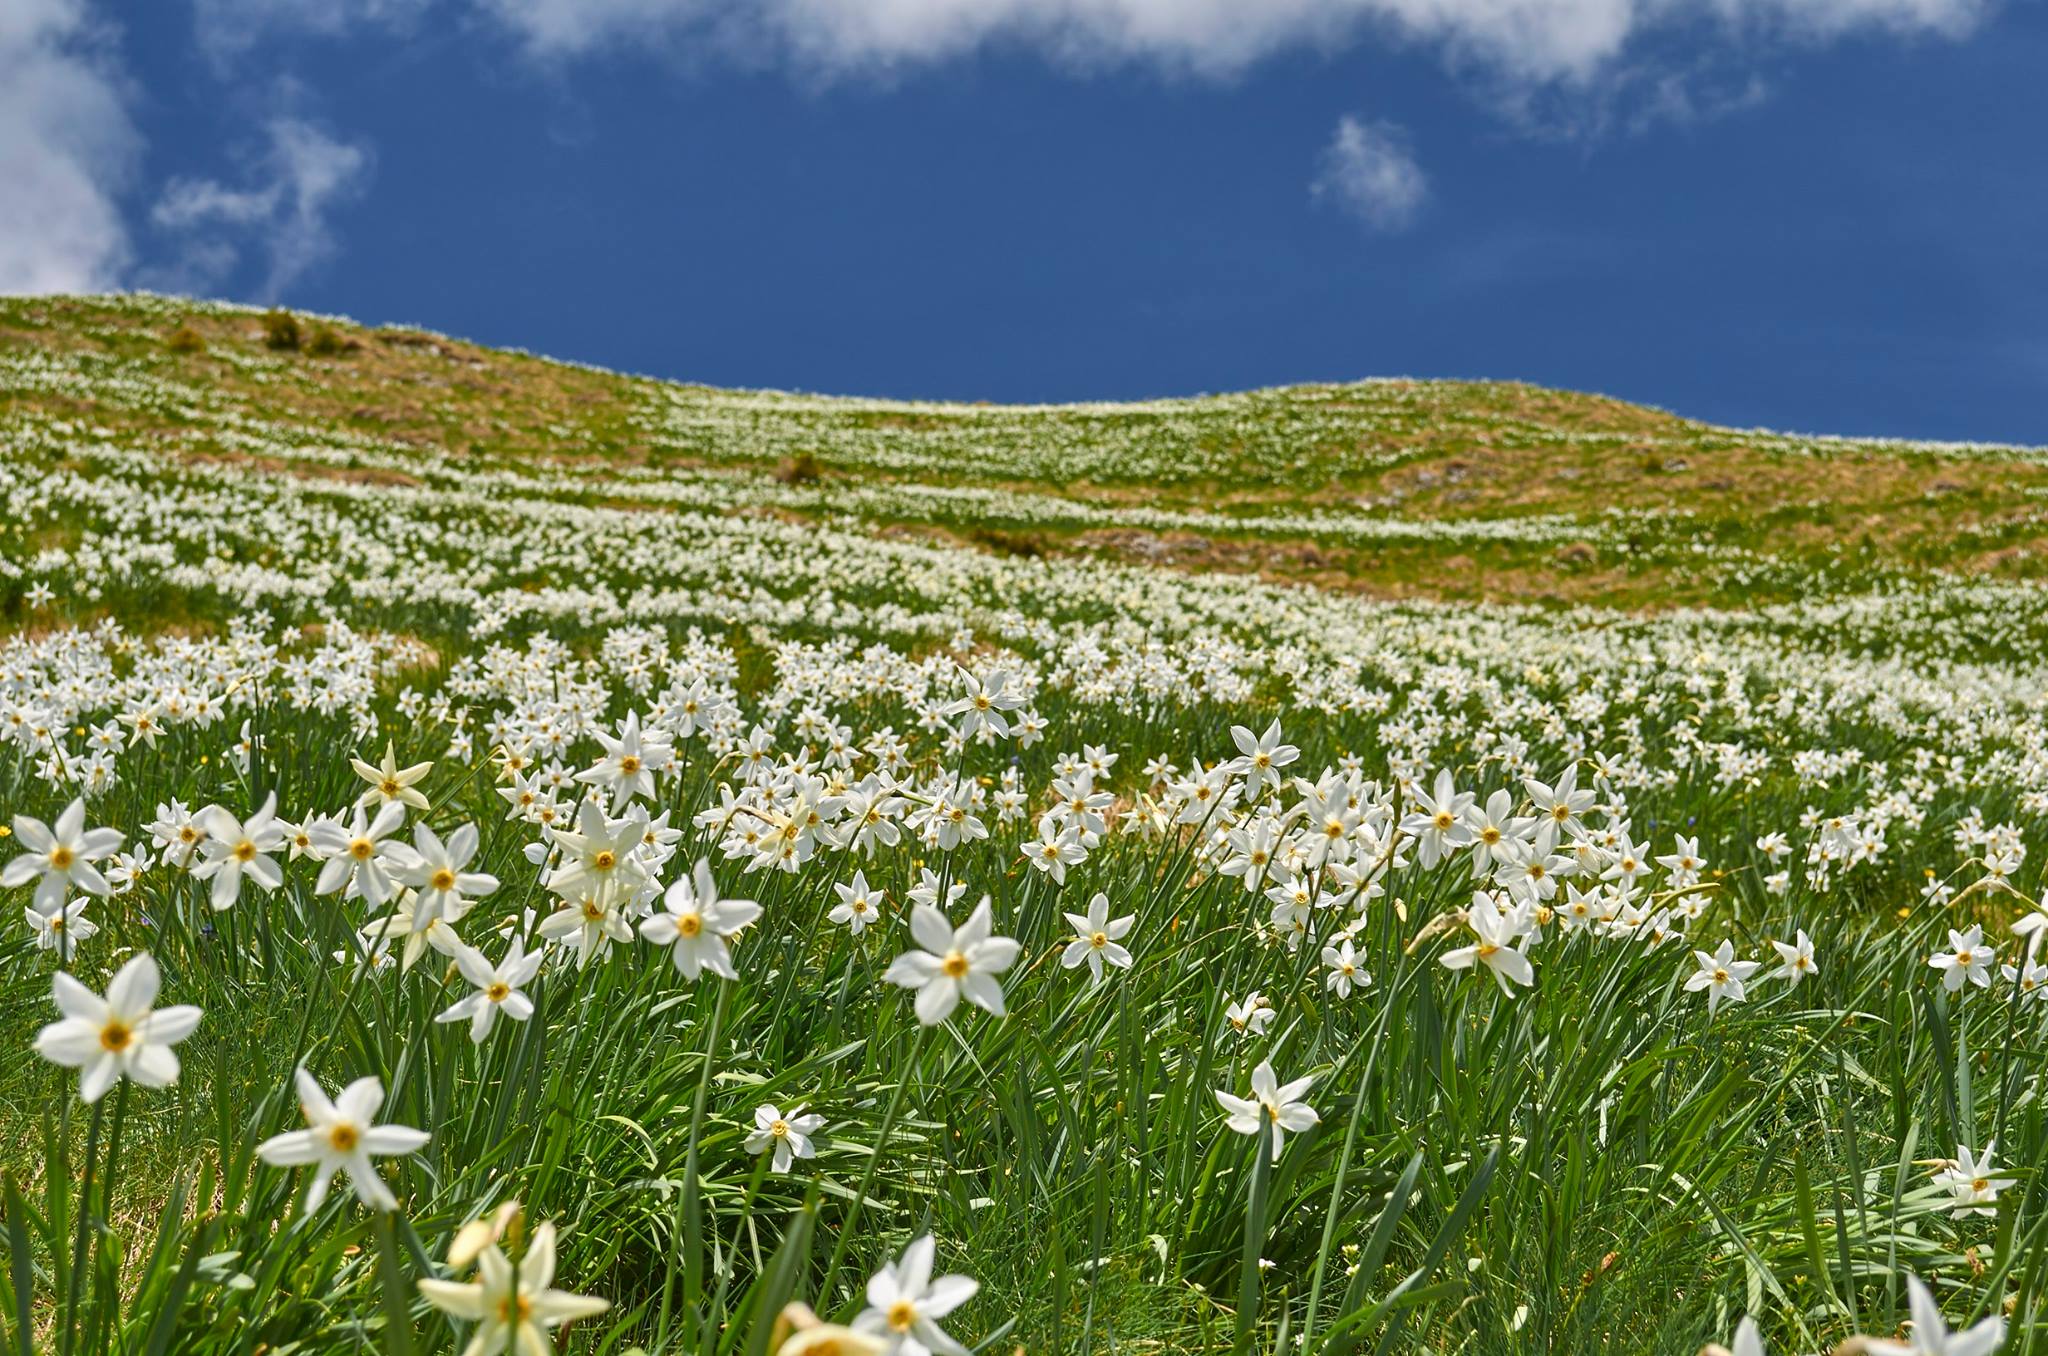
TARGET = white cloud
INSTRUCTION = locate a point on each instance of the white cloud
(228, 28)
(66, 148)
(298, 176)
(1369, 172)
(1521, 41)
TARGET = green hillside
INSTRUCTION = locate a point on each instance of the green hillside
(1401, 867)
(1395, 488)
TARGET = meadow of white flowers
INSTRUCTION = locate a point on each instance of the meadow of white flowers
(506, 910)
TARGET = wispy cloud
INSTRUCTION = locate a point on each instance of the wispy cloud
(228, 28)
(1521, 41)
(67, 148)
(280, 214)
(1369, 171)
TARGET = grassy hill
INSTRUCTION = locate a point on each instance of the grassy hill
(1607, 844)
(1394, 488)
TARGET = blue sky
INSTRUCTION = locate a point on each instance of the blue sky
(1809, 214)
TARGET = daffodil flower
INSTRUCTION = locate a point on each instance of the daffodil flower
(117, 1036)
(340, 1137)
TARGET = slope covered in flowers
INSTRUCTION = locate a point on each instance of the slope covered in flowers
(505, 853)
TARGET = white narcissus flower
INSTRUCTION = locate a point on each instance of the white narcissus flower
(1251, 1015)
(116, 1036)
(1797, 957)
(589, 923)
(984, 702)
(1271, 1101)
(498, 988)
(485, 1231)
(419, 930)
(340, 1137)
(440, 873)
(1346, 973)
(1097, 937)
(360, 858)
(1684, 864)
(1055, 849)
(1970, 1182)
(1495, 949)
(1967, 959)
(953, 964)
(1748, 1341)
(513, 1308)
(905, 1303)
(62, 855)
(627, 768)
(789, 1136)
(697, 924)
(1260, 757)
(1931, 1336)
(236, 849)
(1438, 821)
(858, 905)
(62, 930)
(808, 1336)
(391, 784)
(1563, 803)
(1720, 974)
(600, 854)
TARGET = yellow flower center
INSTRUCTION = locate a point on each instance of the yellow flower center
(629, 765)
(245, 851)
(498, 991)
(362, 849)
(1098, 939)
(689, 924)
(343, 1137)
(902, 1314)
(955, 965)
(390, 788)
(116, 1036)
(444, 879)
(605, 861)
(779, 1128)
(62, 857)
